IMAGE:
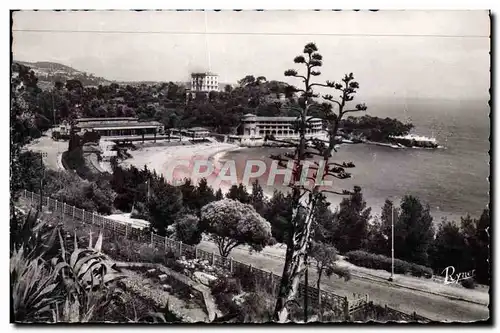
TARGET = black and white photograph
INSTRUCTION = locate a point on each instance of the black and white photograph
(250, 166)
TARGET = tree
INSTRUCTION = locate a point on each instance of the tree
(164, 204)
(304, 199)
(238, 192)
(483, 258)
(279, 213)
(189, 195)
(351, 231)
(204, 194)
(449, 249)
(257, 198)
(232, 223)
(326, 256)
(218, 195)
(187, 229)
(413, 232)
(325, 223)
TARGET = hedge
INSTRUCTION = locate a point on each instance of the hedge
(378, 261)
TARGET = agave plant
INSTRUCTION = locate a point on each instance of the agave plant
(90, 306)
(34, 290)
(88, 278)
(37, 237)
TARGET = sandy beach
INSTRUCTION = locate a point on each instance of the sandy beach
(163, 158)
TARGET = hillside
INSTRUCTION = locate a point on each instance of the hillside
(50, 72)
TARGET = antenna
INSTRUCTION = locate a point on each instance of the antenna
(206, 42)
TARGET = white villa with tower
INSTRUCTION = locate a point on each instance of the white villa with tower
(204, 82)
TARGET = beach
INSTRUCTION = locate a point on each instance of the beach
(163, 158)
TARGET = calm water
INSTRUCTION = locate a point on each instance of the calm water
(452, 180)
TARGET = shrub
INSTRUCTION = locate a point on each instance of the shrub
(378, 261)
(419, 270)
(246, 278)
(187, 229)
(257, 308)
(226, 286)
(223, 290)
(468, 283)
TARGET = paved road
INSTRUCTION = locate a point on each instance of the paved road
(54, 150)
(435, 307)
(432, 306)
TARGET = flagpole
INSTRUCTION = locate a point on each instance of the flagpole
(392, 243)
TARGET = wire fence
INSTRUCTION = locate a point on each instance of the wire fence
(268, 280)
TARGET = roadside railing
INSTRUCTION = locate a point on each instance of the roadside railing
(267, 279)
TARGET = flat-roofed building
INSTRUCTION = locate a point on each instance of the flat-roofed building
(118, 126)
(198, 132)
(194, 132)
(280, 127)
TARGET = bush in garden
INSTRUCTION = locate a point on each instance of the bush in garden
(226, 286)
(378, 261)
(257, 308)
(231, 223)
(468, 283)
(187, 229)
(223, 290)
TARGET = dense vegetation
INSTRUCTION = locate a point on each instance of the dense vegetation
(374, 128)
(188, 210)
(169, 104)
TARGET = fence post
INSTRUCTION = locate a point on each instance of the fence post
(73, 211)
(250, 268)
(196, 253)
(166, 246)
(55, 208)
(25, 195)
(32, 197)
(151, 238)
(126, 230)
(83, 215)
(346, 308)
(64, 209)
(231, 264)
(180, 248)
(93, 217)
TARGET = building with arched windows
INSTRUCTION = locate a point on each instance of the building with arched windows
(254, 127)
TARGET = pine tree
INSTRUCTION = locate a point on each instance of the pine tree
(219, 195)
(257, 198)
(413, 231)
(353, 216)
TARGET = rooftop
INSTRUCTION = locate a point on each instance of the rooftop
(105, 119)
(203, 74)
(198, 129)
(287, 119)
(119, 124)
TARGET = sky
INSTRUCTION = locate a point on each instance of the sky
(407, 54)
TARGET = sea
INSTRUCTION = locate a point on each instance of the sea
(452, 180)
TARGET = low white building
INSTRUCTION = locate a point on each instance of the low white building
(280, 127)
